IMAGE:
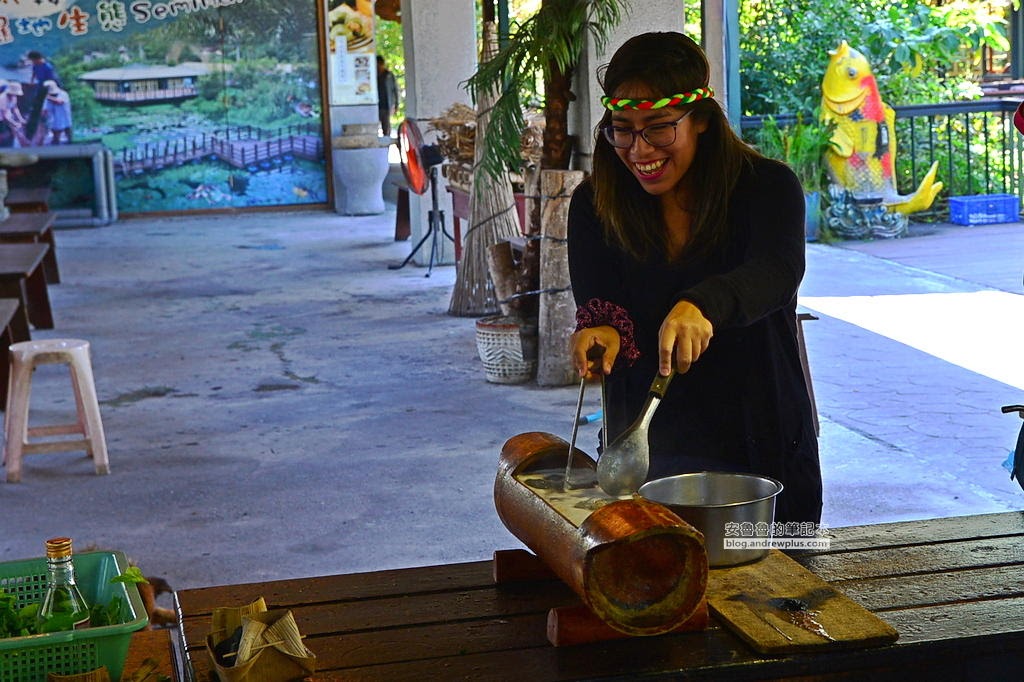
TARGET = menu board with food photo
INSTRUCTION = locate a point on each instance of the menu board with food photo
(350, 56)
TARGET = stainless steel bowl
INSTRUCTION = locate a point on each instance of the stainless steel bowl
(712, 501)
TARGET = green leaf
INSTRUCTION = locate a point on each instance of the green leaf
(108, 614)
(132, 574)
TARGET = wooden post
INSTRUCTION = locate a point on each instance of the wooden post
(557, 317)
(529, 269)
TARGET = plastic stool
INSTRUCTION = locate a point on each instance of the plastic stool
(24, 357)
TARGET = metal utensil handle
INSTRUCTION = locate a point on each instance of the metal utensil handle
(1007, 409)
(575, 430)
(660, 384)
(654, 397)
(604, 415)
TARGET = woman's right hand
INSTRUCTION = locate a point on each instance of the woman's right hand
(594, 350)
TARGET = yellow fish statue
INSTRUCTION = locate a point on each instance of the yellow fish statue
(861, 159)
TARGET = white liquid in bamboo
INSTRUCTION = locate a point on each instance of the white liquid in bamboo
(574, 504)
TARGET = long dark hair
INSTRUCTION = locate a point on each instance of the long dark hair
(666, 64)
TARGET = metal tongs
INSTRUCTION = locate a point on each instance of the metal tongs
(566, 484)
(1015, 462)
(566, 481)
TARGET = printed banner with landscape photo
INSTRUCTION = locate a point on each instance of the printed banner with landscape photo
(203, 104)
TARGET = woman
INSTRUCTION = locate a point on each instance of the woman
(686, 249)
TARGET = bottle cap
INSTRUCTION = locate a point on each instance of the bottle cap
(58, 548)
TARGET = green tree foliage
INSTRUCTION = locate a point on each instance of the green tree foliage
(549, 42)
(801, 145)
(388, 38)
(286, 31)
(919, 51)
(265, 93)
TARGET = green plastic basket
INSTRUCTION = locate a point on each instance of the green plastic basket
(29, 659)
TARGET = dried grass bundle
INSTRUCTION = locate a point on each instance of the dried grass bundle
(456, 130)
(493, 219)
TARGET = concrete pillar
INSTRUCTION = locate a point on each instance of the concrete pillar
(586, 112)
(440, 42)
(722, 46)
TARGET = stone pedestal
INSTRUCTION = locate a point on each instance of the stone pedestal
(360, 160)
(853, 217)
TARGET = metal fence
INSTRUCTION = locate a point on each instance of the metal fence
(975, 143)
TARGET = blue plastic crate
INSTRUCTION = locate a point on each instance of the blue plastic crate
(982, 209)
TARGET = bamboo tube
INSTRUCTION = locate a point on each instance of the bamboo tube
(635, 564)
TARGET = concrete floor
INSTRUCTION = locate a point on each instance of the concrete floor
(278, 403)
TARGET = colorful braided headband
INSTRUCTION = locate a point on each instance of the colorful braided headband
(620, 103)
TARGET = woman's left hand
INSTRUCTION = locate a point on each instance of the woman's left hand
(685, 331)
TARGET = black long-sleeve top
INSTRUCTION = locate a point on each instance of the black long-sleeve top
(743, 406)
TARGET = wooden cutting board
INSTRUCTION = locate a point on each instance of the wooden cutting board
(777, 606)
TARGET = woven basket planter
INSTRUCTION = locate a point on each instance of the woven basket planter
(507, 348)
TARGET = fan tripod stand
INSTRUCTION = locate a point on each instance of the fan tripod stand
(435, 230)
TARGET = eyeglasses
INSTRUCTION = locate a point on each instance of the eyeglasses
(657, 135)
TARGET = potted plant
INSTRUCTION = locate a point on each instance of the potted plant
(802, 146)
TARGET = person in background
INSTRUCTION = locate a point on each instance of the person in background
(42, 69)
(387, 96)
(57, 112)
(686, 250)
(10, 113)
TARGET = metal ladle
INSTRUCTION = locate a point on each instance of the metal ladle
(622, 467)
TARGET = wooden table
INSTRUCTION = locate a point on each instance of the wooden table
(150, 645)
(22, 276)
(12, 330)
(403, 224)
(33, 228)
(28, 199)
(460, 211)
(952, 587)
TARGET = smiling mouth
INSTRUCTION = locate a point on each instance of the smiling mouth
(650, 167)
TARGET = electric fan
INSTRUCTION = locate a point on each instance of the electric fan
(419, 165)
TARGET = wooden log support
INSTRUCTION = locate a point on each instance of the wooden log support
(518, 565)
(557, 315)
(571, 625)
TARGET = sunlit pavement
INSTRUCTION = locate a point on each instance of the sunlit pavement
(916, 348)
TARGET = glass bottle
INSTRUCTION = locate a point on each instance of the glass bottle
(63, 607)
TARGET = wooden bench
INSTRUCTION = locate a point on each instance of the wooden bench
(805, 365)
(10, 332)
(30, 228)
(403, 225)
(28, 199)
(22, 276)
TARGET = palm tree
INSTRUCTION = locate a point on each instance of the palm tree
(550, 42)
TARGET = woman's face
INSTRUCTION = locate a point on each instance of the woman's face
(659, 169)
